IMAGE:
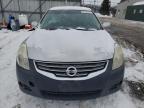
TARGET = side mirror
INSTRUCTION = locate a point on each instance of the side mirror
(106, 24)
(34, 24)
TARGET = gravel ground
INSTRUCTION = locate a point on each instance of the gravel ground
(130, 31)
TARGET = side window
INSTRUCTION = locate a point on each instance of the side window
(141, 11)
(134, 11)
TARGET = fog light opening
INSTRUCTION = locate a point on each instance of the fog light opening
(116, 86)
(31, 84)
(24, 86)
(20, 84)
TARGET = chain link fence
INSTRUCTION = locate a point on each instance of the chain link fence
(34, 9)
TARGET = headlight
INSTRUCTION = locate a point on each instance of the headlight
(22, 57)
(118, 59)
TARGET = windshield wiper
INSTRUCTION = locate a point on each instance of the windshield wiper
(92, 29)
(55, 28)
(85, 29)
(51, 28)
(81, 28)
(68, 28)
(65, 28)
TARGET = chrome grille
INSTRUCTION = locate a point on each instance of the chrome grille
(59, 68)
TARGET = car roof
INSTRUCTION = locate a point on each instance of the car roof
(71, 8)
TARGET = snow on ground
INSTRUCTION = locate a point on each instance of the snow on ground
(103, 16)
(134, 65)
(12, 97)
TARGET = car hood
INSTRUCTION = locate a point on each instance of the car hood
(70, 45)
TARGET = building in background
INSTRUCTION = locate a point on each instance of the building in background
(34, 9)
(135, 12)
(122, 8)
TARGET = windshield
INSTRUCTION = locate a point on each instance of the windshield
(67, 19)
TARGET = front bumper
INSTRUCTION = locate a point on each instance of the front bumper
(33, 83)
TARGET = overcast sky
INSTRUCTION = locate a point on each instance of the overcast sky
(98, 2)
